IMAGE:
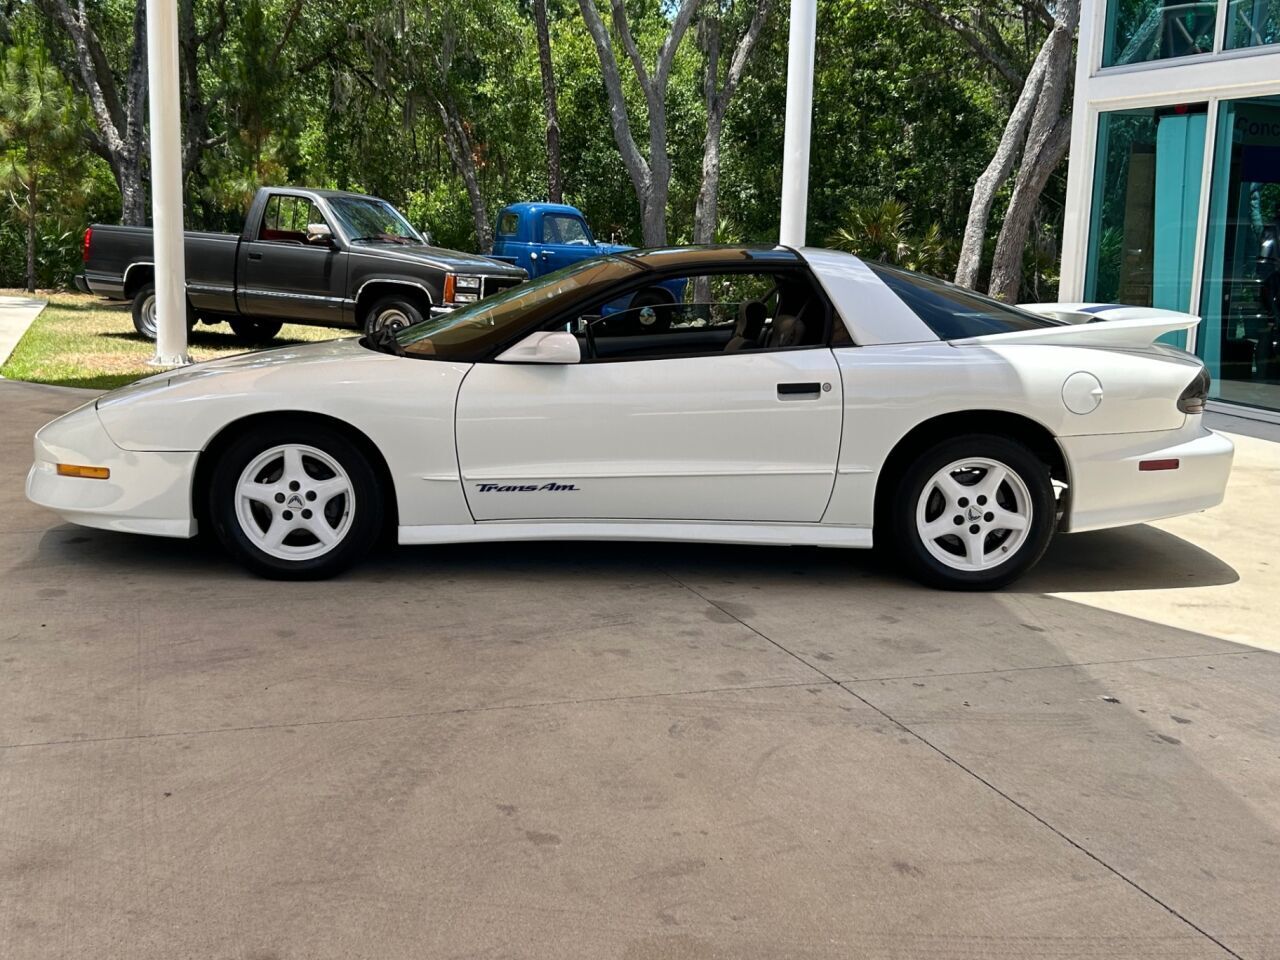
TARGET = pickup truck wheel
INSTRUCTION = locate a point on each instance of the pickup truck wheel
(295, 501)
(144, 312)
(254, 331)
(394, 311)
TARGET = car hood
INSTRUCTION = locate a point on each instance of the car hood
(613, 247)
(347, 349)
(448, 261)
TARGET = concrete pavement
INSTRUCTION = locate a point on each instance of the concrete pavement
(632, 751)
(16, 314)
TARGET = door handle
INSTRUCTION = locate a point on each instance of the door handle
(799, 391)
(255, 256)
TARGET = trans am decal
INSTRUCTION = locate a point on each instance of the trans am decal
(524, 487)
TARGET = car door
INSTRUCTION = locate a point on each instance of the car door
(657, 432)
(285, 277)
(565, 240)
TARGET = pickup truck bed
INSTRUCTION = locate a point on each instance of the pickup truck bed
(318, 257)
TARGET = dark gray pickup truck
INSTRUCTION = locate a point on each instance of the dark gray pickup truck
(320, 257)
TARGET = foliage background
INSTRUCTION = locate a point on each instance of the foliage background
(342, 94)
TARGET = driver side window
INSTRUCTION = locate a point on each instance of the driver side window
(724, 313)
(286, 217)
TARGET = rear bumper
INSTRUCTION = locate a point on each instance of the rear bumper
(147, 492)
(1109, 490)
(104, 285)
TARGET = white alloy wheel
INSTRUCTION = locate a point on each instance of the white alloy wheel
(294, 502)
(974, 514)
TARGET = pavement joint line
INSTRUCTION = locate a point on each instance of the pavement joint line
(1051, 666)
(976, 776)
(417, 715)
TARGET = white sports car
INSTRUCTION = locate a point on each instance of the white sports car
(770, 396)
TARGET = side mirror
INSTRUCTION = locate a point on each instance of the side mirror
(319, 234)
(545, 346)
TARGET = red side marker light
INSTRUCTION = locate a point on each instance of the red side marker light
(1145, 465)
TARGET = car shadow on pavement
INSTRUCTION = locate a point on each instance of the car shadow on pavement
(1131, 558)
(1139, 557)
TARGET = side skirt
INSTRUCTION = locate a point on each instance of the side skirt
(770, 534)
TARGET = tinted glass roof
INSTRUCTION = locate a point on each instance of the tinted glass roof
(662, 258)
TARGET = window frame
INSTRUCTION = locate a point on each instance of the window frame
(277, 199)
(654, 277)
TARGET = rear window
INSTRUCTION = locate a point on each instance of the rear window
(952, 312)
(507, 224)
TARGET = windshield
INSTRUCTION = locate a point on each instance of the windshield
(470, 333)
(368, 220)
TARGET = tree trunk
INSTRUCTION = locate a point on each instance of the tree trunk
(31, 220)
(706, 217)
(121, 130)
(652, 178)
(705, 212)
(458, 143)
(133, 190)
(555, 187)
(1038, 116)
(1033, 175)
(994, 176)
(1047, 142)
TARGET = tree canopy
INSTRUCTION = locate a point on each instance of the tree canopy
(441, 107)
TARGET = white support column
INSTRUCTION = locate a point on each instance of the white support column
(795, 146)
(166, 183)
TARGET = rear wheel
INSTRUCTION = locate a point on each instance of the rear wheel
(254, 331)
(295, 501)
(973, 513)
(143, 310)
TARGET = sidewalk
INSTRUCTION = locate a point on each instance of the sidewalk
(16, 314)
(1232, 588)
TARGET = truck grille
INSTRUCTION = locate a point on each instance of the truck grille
(491, 285)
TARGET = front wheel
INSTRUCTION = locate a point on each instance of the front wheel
(392, 313)
(973, 513)
(253, 331)
(295, 501)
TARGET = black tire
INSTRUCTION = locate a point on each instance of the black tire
(394, 310)
(143, 310)
(254, 331)
(362, 515)
(984, 536)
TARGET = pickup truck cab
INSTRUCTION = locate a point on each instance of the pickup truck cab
(544, 237)
(319, 257)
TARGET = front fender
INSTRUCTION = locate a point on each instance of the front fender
(404, 406)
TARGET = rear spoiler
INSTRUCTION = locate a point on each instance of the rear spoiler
(1095, 325)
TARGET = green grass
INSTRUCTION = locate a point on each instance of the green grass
(80, 340)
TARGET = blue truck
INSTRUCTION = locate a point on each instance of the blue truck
(544, 237)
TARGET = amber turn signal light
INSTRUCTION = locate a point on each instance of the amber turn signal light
(85, 473)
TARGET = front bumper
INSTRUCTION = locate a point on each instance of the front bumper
(147, 492)
(1108, 489)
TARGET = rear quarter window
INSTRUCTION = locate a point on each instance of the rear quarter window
(952, 312)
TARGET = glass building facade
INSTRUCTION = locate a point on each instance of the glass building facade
(1174, 188)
